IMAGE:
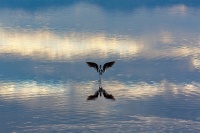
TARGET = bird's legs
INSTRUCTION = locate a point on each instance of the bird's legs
(100, 86)
(100, 78)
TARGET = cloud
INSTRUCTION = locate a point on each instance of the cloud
(85, 31)
(49, 46)
(27, 90)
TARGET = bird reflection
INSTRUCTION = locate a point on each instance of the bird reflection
(100, 70)
(100, 92)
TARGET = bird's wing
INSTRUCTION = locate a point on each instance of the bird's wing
(107, 65)
(108, 96)
(93, 97)
(92, 64)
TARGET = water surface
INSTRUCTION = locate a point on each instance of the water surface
(45, 82)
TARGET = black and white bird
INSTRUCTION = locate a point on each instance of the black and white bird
(99, 69)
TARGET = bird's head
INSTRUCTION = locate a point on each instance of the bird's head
(100, 67)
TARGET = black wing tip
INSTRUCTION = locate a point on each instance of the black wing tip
(107, 65)
(110, 96)
(90, 63)
(110, 63)
(92, 97)
(113, 62)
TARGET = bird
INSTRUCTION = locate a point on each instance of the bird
(99, 69)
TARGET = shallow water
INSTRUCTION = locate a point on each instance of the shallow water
(45, 81)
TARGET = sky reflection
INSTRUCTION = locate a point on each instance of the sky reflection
(45, 81)
(155, 39)
(47, 46)
(72, 46)
(23, 91)
(70, 100)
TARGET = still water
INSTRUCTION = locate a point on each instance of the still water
(45, 81)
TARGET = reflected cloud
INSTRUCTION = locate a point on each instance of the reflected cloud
(30, 90)
(65, 102)
(43, 35)
(49, 46)
(137, 123)
(196, 62)
(179, 9)
(82, 31)
(63, 97)
(143, 90)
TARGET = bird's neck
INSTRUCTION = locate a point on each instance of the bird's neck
(100, 70)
